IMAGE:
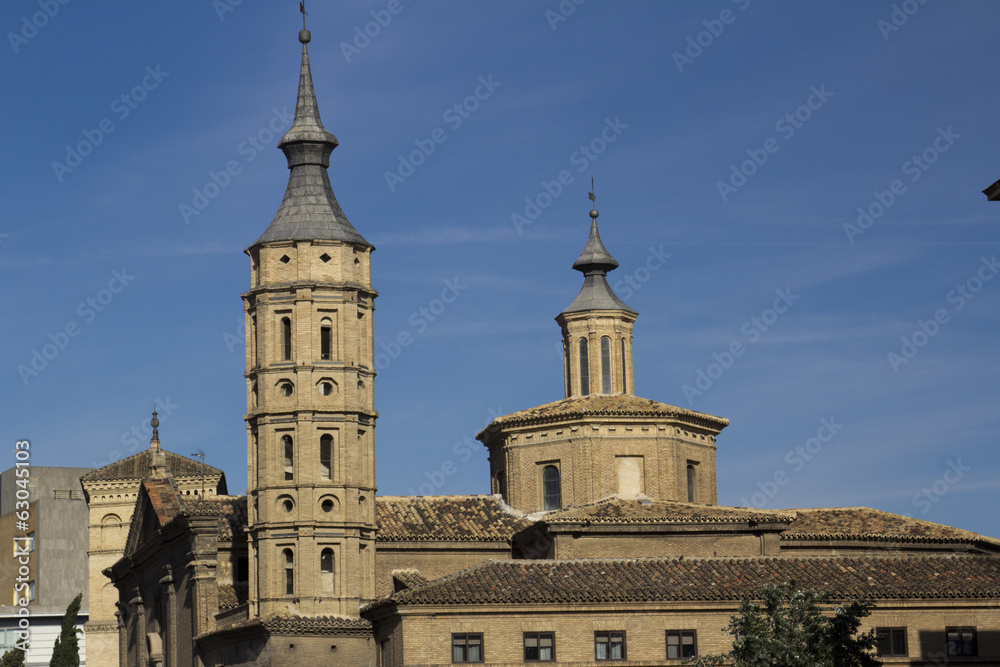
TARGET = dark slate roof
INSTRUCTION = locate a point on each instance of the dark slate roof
(445, 518)
(601, 581)
(992, 192)
(595, 256)
(138, 466)
(595, 261)
(309, 210)
(307, 126)
(596, 294)
(865, 523)
(620, 510)
(606, 405)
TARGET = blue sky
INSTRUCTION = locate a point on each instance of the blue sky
(731, 142)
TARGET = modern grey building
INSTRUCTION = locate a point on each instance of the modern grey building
(56, 541)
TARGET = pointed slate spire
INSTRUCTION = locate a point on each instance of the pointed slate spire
(594, 262)
(595, 257)
(310, 210)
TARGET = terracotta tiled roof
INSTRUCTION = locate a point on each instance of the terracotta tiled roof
(445, 518)
(164, 498)
(232, 595)
(606, 405)
(664, 579)
(231, 510)
(138, 466)
(865, 523)
(408, 578)
(620, 510)
(286, 624)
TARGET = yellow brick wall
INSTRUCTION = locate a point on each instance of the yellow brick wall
(427, 630)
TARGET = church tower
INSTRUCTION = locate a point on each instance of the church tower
(597, 327)
(309, 373)
(601, 440)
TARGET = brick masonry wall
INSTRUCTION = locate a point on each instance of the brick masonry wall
(426, 631)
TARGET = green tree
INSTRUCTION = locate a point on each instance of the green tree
(798, 628)
(66, 652)
(13, 658)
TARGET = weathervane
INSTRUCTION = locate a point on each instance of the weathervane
(593, 198)
(302, 8)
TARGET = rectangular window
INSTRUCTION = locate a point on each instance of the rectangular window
(286, 338)
(682, 644)
(466, 647)
(609, 645)
(324, 343)
(890, 641)
(539, 646)
(961, 641)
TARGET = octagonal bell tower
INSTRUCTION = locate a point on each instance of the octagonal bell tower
(309, 374)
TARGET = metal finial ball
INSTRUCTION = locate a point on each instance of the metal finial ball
(594, 214)
(305, 36)
(154, 422)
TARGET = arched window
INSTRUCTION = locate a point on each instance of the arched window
(326, 456)
(584, 369)
(286, 338)
(326, 570)
(286, 441)
(624, 364)
(325, 339)
(605, 365)
(289, 571)
(550, 488)
(692, 479)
